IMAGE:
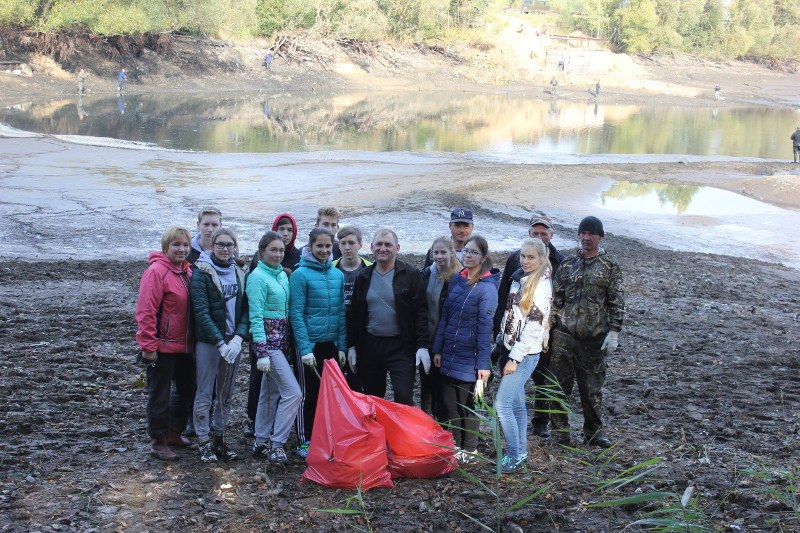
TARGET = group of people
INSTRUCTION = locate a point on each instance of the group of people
(552, 317)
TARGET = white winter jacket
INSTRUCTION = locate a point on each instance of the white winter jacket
(522, 335)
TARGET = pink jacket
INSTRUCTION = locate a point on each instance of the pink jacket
(163, 310)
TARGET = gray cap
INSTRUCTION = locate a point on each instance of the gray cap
(537, 220)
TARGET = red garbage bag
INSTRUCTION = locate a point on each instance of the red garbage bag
(418, 446)
(348, 446)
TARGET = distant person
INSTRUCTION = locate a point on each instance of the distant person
(121, 80)
(316, 313)
(268, 61)
(462, 346)
(436, 279)
(82, 75)
(279, 392)
(387, 326)
(585, 319)
(523, 327)
(165, 338)
(716, 92)
(553, 86)
(350, 242)
(796, 144)
(597, 89)
(540, 228)
(461, 227)
(221, 323)
(561, 65)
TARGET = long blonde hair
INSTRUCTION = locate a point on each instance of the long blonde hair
(532, 280)
(455, 266)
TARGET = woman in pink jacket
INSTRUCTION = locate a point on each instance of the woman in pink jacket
(164, 336)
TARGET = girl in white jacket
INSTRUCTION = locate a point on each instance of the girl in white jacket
(521, 333)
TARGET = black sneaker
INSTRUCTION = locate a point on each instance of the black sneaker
(599, 441)
(221, 449)
(262, 450)
(250, 430)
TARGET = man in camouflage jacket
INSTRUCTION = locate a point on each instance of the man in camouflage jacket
(586, 317)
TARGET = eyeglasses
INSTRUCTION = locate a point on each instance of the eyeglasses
(469, 253)
(223, 245)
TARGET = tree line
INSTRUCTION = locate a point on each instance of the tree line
(718, 29)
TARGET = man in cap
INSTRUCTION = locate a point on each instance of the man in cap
(461, 227)
(796, 143)
(585, 319)
(540, 228)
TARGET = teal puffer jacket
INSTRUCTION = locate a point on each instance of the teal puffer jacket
(268, 297)
(316, 304)
(208, 305)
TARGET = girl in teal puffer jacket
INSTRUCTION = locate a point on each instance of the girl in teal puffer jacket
(268, 294)
(316, 312)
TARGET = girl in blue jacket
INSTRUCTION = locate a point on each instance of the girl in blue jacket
(463, 343)
(316, 312)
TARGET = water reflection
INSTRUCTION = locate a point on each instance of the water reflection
(417, 122)
(677, 196)
(664, 199)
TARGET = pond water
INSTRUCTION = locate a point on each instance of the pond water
(498, 127)
(385, 160)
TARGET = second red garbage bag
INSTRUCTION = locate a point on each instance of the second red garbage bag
(418, 446)
(348, 446)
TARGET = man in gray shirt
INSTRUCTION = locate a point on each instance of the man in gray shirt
(387, 325)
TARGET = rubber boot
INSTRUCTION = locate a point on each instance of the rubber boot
(160, 450)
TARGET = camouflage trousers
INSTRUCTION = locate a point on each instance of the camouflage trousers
(583, 361)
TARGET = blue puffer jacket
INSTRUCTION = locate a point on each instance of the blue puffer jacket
(316, 304)
(464, 335)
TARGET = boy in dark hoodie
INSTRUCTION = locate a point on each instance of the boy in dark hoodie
(286, 227)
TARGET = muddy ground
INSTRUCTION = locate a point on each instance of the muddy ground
(706, 377)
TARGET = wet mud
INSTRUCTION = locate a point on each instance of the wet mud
(706, 377)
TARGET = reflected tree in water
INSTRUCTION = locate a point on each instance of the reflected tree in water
(679, 196)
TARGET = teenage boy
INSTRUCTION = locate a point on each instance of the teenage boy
(328, 217)
(208, 221)
(350, 242)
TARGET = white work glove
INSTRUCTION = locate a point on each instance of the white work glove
(309, 359)
(424, 359)
(236, 342)
(342, 359)
(545, 339)
(611, 342)
(478, 394)
(263, 364)
(227, 351)
(351, 359)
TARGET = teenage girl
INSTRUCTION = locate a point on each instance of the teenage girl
(317, 315)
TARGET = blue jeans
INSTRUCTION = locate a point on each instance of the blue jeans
(510, 406)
